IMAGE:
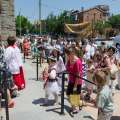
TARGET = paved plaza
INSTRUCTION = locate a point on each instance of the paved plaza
(27, 105)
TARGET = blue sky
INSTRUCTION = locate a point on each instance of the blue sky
(29, 8)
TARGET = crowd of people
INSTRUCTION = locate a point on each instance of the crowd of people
(97, 64)
(83, 60)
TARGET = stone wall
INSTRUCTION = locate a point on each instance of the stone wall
(7, 19)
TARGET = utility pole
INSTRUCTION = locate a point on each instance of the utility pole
(20, 22)
(37, 70)
(40, 16)
(27, 27)
(93, 25)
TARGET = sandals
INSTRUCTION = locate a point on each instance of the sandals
(74, 111)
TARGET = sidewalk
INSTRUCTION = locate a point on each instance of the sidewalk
(27, 105)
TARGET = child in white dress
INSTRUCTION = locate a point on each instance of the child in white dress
(60, 65)
(50, 85)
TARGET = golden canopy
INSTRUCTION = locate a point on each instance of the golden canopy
(82, 29)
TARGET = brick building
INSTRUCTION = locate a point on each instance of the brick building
(97, 13)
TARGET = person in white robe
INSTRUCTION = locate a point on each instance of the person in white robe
(13, 60)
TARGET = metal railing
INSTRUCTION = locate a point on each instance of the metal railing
(63, 89)
(63, 80)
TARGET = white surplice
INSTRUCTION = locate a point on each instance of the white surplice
(13, 59)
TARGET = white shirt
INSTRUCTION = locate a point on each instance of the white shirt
(88, 51)
(11, 60)
(92, 50)
(53, 74)
(60, 65)
(19, 56)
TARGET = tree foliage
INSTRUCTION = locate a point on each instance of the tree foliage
(55, 24)
(52, 25)
(110, 27)
(23, 24)
(115, 21)
(101, 27)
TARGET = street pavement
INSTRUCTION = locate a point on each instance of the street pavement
(28, 104)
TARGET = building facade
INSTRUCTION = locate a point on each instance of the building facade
(97, 13)
(7, 19)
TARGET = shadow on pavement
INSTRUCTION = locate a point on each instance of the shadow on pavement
(41, 102)
(66, 108)
(115, 118)
(38, 101)
(89, 117)
(54, 110)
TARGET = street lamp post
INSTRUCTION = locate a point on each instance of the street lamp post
(20, 29)
(40, 16)
(93, 25)
(37, 70)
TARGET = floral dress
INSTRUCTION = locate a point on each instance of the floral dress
(3, 69)
(2, 64)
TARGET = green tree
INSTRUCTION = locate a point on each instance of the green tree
(62, 19)
(51, 23)
(55, 24)
(24, 24)
(115, 21)
(101, 26)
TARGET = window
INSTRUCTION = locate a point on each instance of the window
(100, 16)
(76, 16)
(87, 18)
